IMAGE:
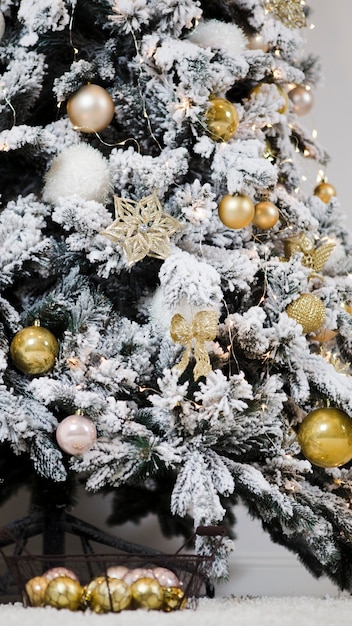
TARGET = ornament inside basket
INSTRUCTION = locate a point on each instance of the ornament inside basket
(130, 577)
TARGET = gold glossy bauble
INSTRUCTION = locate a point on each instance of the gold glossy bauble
(302, 99)
(109, 594)
(309, 311)
(257, 42)
(325, 437)
(147, 593)
(282, 92)
(221, 119)
(266, 215)
(35, 590)
(174, 599)
(236, 211)
(33, 350)
(63, 593)
(325, 191)
(90, 109)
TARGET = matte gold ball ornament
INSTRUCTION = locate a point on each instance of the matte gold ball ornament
(147, 593)
(266, 215)
(35, 591)
(90, 109)
(309, 311)
(63, 593)
(34, 349)
(236, 211)
(325, 191)
(109, 594)
(325, 437)
(221, 119)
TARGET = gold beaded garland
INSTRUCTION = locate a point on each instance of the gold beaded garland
(325, 437)
(33, 350)
(309, 311)
(90, 109)
(221, 119)
(236, 211)
(325, 191)
(266, 215)
(63, 593)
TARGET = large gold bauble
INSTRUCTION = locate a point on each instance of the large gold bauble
(266, 215)
(109, 594)
(309, 311)
(325, 191)
(302, 99)
(236, 211)
(147, 593)
(282, 92)
(33, 350)
(174, 599)
(63, 593)
(35, 591)
(90, 109)
(221, 119)
(325, 437)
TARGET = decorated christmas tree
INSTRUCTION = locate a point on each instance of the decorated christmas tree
(175, 309)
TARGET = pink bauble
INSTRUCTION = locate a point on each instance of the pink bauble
(55, 572)
(166, 578)
(135, 574)
(76, 434)
(117, 571)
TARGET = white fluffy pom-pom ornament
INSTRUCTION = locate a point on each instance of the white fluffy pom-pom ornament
(219, 35)
(78, 171)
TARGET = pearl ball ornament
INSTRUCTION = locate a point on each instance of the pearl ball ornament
(325, 191)
(117, 571)
(325, 437)
(34, 349)
(266, 215)
(79, 170)
(90, 109)
(221, 119)
(165, 577)
(55, 572)
(138, 572)
(302, 99)
(236, 211)
(76, 434)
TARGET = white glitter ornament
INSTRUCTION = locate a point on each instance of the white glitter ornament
(219, 35)
(78, 171)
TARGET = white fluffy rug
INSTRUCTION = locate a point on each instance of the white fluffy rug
(241, 611)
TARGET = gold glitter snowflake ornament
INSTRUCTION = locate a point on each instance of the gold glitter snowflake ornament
(141, 228)
(289, 12)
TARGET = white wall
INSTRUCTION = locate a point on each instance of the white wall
(259, 567)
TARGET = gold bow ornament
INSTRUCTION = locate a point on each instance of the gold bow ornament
(203, 328)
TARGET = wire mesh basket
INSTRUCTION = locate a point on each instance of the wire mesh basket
(182, 578)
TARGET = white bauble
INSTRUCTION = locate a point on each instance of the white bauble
(2, 25)
(78, 171)
(219, 35)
